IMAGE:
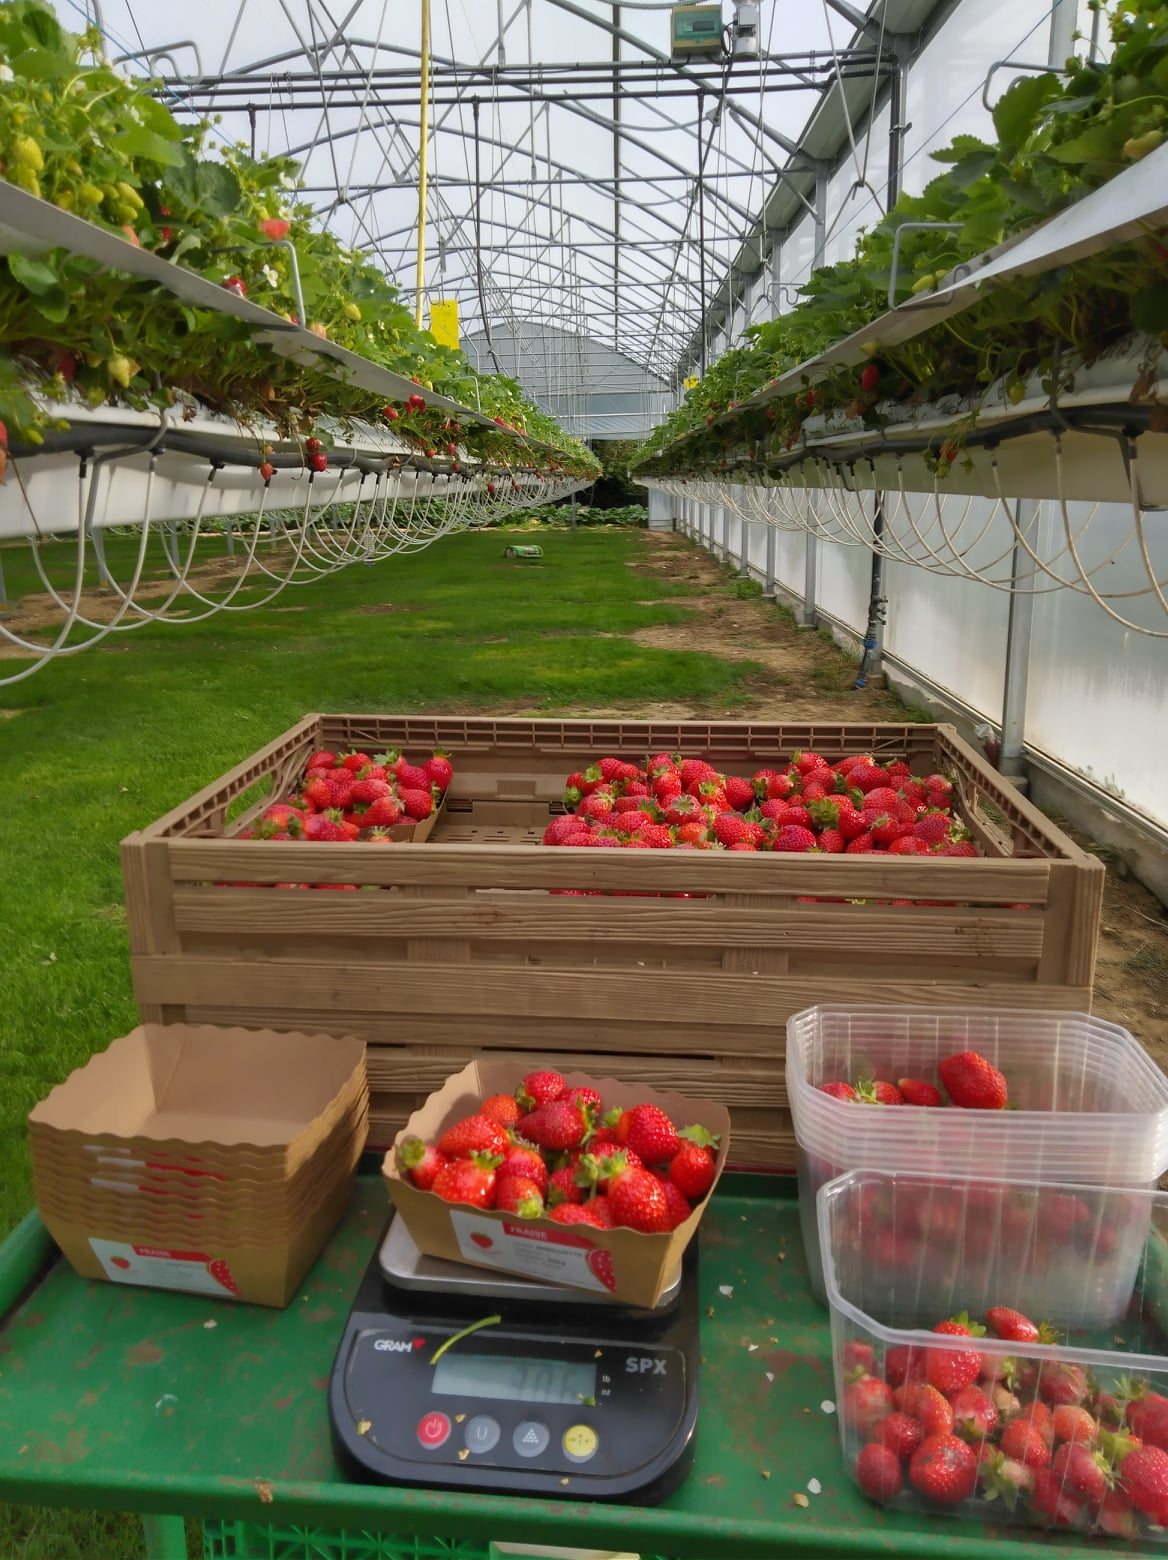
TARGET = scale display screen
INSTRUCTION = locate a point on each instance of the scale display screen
(543, 1380)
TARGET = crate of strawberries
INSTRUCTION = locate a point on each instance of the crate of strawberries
(358, 796)
(568, 1179)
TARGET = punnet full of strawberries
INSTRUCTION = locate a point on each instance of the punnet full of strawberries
(552, 1149)
(1006, 1433)
(356, 796)
(969, 1080)
(856, 806)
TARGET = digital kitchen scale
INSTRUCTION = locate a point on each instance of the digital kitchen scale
(571, 1395)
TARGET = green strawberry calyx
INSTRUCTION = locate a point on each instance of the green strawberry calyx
(410, 1153)
(700, 1135)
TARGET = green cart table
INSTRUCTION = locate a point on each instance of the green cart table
(176, 1406)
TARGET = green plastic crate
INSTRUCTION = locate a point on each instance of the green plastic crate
(261, 1541)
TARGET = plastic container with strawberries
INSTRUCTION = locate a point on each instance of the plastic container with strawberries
(1055, 1415)
(1086, 1103)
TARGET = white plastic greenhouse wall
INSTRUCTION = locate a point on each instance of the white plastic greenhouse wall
(1092, 683)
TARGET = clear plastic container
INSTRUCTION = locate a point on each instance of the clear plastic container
(1088, 1104)
(903, 1252)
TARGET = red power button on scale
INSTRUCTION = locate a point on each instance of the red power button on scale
(433, 1430)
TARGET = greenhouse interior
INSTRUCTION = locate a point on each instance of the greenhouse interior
(460, 429)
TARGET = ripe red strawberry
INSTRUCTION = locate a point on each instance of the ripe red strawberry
(675, 1200)
(838, 1090)
(557, 1125)
(582, 1095)
(1072, 1423)
(866, 1404)
(540, 1088)
(793, 839)
(501, 1108)
(355, 761)
(468, 1181)
(318, 793)
(944, 1470)
(739, 793)
(1143, 1476)
(900, 1433)
(1012, 1325)
(935, 828)
(648, 1131)
(1116, 1516)
(1063, 1383)
(683, 809)
(416, 804)
(692, 1168)
(859, 1358)
(474, 1134)
(596, 807)
(1042, 1419)
(366, 790)
(974, 1415)
(421, 1162)
(878, 1472)
(595, 1169)
(951, 1369)
(881, 799)
(517, 1194)
(903, 1363)
(1023, 1442)
(637, 1201)
(411, 776)
(1084, 1474)
(905, 845)
(973, 1082)
(384, 813)
(694, 770)
(324, 827)
(915, 1091)
(875, 1091)
(656, 836)
(924, 1403)
(731, 828)
(579, 1213)
(961, 848)
(866, 777)
(884, 827)
(1052, 1501)
(1147, 1418)
(832, 842)
(869, 377)
(862, 845)
(322, 759)
(564, 1187)
(851, 823)
(524, 1160)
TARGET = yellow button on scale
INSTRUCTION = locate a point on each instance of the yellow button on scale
(580, 1443)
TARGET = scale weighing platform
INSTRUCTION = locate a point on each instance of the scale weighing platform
(570, 1395)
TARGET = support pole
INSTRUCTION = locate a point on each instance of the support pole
(423, 139)
(770, 561)
(725, 534)
(808, 618)
(872, 661)
(1019, 635)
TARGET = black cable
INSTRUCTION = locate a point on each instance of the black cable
(478, 232)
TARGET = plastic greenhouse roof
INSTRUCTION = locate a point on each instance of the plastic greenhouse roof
(614, 189)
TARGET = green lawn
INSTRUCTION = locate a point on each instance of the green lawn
(101, 744)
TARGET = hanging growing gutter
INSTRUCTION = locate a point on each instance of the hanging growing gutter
(25, 218)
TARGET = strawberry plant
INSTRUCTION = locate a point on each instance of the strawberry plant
(97, 143)
(1058, 138)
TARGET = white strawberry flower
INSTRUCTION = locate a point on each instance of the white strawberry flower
(271, 277)
(6, 73)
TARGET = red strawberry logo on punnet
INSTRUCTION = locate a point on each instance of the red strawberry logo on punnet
(219, 1270)
(484, 1241)
(120, 1262)
(419, 1343)
(601, 1264)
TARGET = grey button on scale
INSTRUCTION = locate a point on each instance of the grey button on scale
(482, 1433)
(530, 1438)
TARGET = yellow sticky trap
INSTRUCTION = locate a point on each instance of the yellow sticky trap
(444, 322)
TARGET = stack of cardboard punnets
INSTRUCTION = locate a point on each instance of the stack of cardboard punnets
(211, 1160)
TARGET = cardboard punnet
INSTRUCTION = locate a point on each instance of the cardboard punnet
(229, 1269)
(189, 1087)
(628, 1266)
(228, 1157)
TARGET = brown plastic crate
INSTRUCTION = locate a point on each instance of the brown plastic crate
(464, 950)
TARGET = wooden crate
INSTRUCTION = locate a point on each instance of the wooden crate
(465, 950)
